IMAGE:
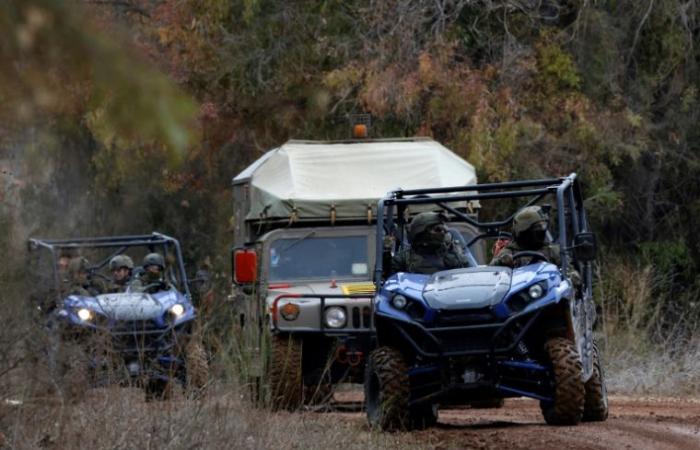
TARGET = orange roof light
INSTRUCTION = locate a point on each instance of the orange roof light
(359, 131)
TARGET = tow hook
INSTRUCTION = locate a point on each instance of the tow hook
(355, 358)
(345, 356)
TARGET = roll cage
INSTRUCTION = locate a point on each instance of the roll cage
(154, 242)
(570, 214)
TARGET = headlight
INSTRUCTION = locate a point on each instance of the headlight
(399, 301)
(535, 291)
(335, 317)
(177, 310)
(84, 314)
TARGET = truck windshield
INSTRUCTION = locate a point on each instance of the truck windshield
(319, 257)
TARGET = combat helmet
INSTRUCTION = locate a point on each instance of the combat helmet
(527, 217)
(154, 259)
(77, 265)
(423, 221)
(120, 261)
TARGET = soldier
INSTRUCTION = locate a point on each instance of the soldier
(432, 247)
(153, 277)
(81, 282)
(64, 259)
(530, 233)
(121, 267)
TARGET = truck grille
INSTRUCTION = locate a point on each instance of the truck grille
(447, 318)
(360, 317)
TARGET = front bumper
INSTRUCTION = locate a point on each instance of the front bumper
(137, 349)
(497, 338)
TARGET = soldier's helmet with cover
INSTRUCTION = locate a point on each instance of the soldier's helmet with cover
(530, 227)
(424, 221)
(120, 261)
(154, 259)
(78, 265)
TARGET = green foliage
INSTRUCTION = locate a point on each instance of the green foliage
(557, 70)
(602, 89)
(70, 66)
(670, 258)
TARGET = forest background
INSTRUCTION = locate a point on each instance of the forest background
(128, 116)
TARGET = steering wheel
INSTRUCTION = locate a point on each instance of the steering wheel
(95, 274)
(534, 256)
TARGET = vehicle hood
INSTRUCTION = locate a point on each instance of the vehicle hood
(131, 306)
(469, 288)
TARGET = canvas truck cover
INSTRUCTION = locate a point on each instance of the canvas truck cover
(308, 179)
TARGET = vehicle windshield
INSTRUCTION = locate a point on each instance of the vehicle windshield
(311, 257)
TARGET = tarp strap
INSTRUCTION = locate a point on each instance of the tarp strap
(369, 213)
(263, 216)
(293, 215)
(333, 214)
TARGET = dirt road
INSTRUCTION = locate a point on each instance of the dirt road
(634, 423)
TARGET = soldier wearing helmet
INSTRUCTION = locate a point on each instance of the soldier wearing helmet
(153, 277)
(432, 247)
(81, 281)
(62, 266)
(530, 234)
(121, 267)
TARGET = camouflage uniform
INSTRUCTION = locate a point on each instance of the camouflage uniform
(530, 231)
(81, 283)
(430, 251)
(120, 262)
(152, 281)
(505, 257)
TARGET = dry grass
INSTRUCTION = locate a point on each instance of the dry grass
(35, 413)
(645, 352)
(119, 418)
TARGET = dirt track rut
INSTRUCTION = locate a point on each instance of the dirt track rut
(634, 423)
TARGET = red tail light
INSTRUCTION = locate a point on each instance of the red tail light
(245, 266)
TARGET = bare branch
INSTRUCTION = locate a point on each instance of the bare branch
(637, 33)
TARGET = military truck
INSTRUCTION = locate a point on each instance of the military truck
(303, 256)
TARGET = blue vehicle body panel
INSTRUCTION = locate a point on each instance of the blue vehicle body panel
(412, 286)
(156, 310)
(504, 308)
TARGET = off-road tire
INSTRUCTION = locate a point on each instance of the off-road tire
(387, 390)
(424, 416)
(69, 368)
(285, 373)
(491, 403)
(158, 390)
(196, 367)
(596, 404)
(569, 391)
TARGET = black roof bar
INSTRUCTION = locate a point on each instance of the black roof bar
(484, 187)
(458, 198)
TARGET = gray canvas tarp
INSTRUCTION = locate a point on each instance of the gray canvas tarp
(309, 179)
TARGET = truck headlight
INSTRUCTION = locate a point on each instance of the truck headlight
(335, 317)
(177, 310)
(84, 314)
(399, 301)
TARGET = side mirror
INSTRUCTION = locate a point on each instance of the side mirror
(245, 266)
(585, 247)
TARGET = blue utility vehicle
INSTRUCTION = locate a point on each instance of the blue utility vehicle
(477, 335)
(140, 334)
